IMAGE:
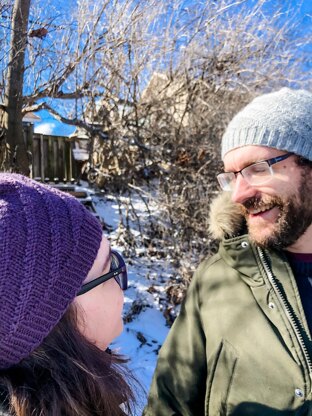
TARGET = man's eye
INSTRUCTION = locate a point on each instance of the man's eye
(257, 168)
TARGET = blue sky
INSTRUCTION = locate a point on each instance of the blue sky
(50, 126)
(306, 7)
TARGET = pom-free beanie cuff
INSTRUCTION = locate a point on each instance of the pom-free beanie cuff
(282, 120)
(48, 244)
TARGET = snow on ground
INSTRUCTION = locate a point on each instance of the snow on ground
(145, 328)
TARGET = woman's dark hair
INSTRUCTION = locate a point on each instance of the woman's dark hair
(68, 376)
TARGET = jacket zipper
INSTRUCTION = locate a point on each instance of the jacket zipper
(288, 312)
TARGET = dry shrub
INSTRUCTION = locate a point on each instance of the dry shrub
(191, 153)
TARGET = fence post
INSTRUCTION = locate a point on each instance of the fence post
(42, 158)
(52, 158)
(28, 131)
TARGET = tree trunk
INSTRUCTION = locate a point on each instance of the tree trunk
(17, 159)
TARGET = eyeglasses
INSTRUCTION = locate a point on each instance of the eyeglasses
(255, 174)
(118, 271)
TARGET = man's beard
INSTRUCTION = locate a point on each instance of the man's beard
(295, 216)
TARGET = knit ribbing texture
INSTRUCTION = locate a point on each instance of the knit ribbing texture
(48, 243)
(281, 119)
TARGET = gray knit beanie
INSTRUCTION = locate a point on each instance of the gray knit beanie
(281, 119)
(48, 244)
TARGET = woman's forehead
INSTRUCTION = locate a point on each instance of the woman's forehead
(102, 261)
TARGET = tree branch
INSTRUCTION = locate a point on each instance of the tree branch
(90, 128)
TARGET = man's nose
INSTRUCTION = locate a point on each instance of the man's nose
(242, 190)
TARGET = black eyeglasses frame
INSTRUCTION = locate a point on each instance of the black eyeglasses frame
(120, 271)
(269, 162)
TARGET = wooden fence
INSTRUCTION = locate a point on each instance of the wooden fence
(51, 157)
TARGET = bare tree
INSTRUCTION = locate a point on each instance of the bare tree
(90, 63)
(13, 96)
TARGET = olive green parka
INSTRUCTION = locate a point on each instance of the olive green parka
(240, 345)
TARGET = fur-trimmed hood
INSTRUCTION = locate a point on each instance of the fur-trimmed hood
(225, 218)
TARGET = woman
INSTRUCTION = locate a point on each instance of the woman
(61, 301)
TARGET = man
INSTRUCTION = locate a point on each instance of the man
(242, 342)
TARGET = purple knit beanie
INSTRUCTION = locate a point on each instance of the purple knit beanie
(48, 243)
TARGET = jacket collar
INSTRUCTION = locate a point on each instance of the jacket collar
(228, 224)
(226, 219)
